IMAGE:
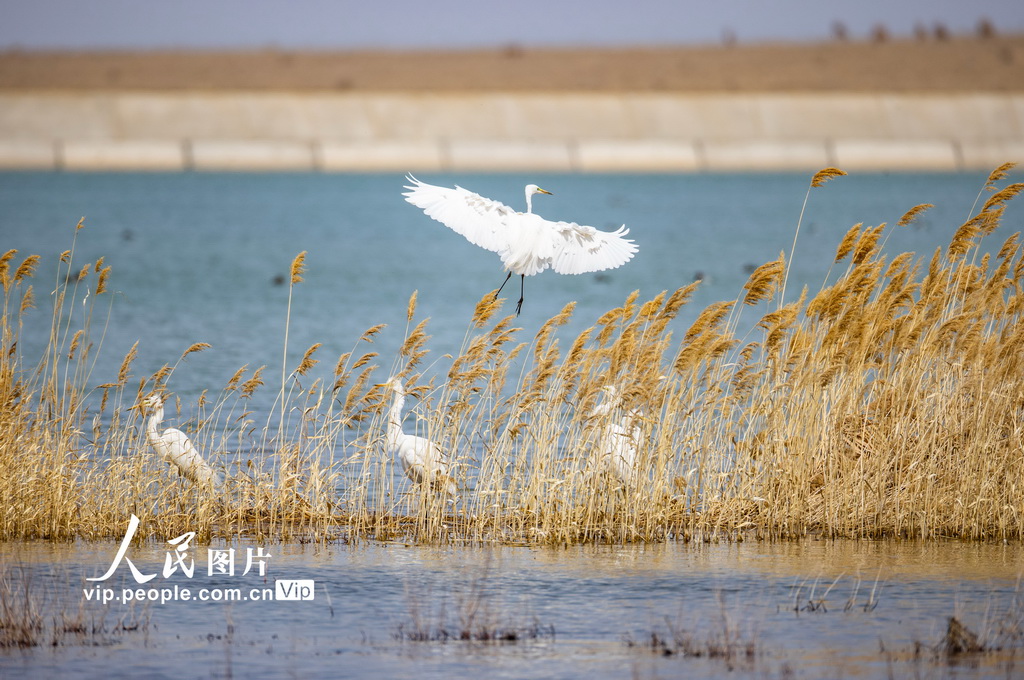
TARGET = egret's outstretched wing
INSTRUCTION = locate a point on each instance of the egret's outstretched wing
(580, 249)
(479, 219)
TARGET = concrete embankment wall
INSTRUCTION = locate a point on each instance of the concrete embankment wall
(495, 131)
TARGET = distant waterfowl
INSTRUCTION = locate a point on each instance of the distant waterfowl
(527, 243)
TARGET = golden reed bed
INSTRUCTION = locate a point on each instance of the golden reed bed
(888, 403)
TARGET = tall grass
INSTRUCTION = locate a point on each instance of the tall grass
(40, 614)
(887, 403)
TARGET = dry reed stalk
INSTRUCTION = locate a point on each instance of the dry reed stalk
(819, 179)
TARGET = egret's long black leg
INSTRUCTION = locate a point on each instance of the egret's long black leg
(502, 285)
(522, 285)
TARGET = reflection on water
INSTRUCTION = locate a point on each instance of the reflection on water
(855, 608)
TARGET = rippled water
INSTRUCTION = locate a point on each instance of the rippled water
(195, 258)
(874, 603)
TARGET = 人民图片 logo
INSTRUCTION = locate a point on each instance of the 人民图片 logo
(220, 562)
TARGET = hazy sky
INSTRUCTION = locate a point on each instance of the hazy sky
(347, 24)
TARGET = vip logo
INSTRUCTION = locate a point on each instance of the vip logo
(294, 589)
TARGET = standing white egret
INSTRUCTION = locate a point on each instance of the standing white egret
(175, 448)
(616, 447)
(422, 460)
(527, 243)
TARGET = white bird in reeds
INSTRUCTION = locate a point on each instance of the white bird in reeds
(616, 445)
(421, 459)
(527, 243)
(174, 447)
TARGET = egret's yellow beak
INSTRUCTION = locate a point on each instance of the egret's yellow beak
(543, 191)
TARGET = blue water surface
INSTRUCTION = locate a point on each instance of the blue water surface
(200, 257)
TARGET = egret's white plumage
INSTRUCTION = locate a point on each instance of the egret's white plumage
(175, 448)
(421, 459)
(616, 445)
(526, 243)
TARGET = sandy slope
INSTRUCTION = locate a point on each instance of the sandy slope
(962, 64)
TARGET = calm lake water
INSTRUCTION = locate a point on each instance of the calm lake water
(196, 257)
(809, 609)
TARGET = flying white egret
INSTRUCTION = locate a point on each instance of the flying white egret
(527, 243)
(616, 447)
(422, 460)
(175, 448)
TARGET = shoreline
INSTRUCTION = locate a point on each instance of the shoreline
(993, 64)
(449, 132)
(897, 105)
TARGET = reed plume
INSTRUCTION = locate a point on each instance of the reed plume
(235, 378)
(308, 362)
(254, 382)
(298, 268)
(195, 347)
(824, 175)
(410, 309)
(913, 214)
(764, 281)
